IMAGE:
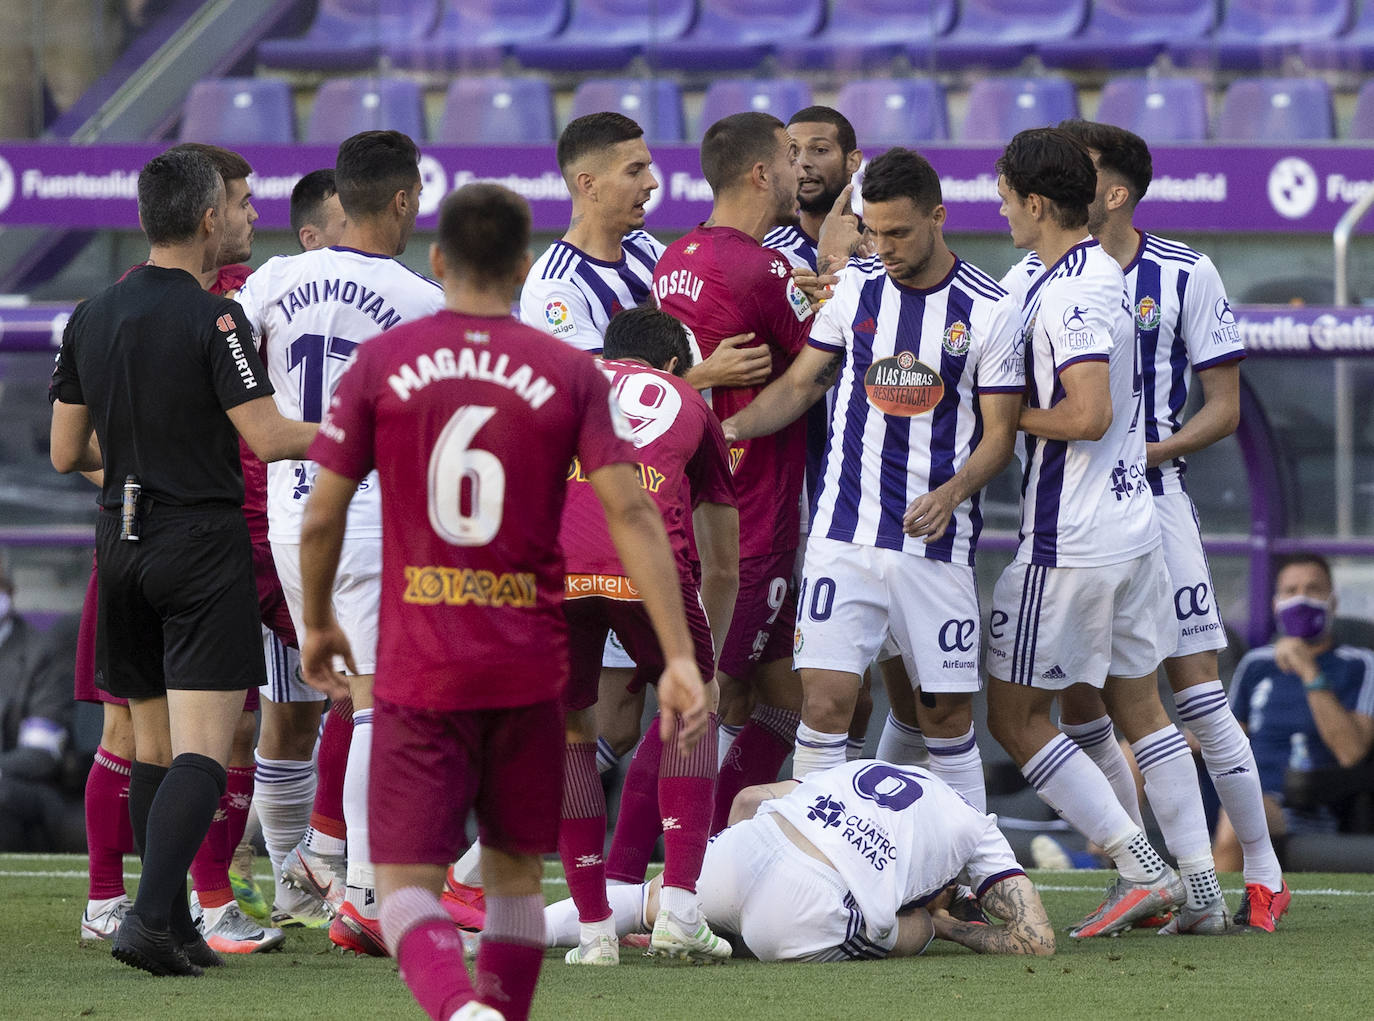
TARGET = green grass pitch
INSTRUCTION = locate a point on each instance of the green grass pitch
(1320, 964)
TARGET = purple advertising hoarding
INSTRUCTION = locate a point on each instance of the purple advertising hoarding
(1196, 188)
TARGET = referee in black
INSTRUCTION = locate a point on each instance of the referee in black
(154, 378)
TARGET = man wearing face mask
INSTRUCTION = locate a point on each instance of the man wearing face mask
(1306, 702)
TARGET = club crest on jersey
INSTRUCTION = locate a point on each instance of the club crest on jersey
(559, 317)
(956, 339)
(1147, 313)
(778, 268)
(902, 386)
(801, 306)
(690, 249)
(797, 641)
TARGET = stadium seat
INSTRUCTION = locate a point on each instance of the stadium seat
(1276, 110)
(345, 106)
(1000, 107)
(349, 35)
(1156, 109)
(497, 111)
(605, 35)
(1353, 51)
(862, 35)
(477, 34)
(656, 104)
(1258, 34)
(1362, 124)
(238, 111)
(1000, 34)
(1129, 33)
(782, 97)
(736, 35)
(900, 111)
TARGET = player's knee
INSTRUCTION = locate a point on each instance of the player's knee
(948, 714)
(117, 731)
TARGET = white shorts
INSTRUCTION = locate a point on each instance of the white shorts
(284, 683)
(1195, 597)
(614, 656)
(357, 594)
(853, 597)
(1056, 626)
(784, 904)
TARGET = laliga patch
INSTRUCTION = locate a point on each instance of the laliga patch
(956, 339)
(559, 318)
(902, 386)
(801, 307)
(1147, 313)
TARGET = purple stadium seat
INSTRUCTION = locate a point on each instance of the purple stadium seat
(901, 111)
(236, 111)
(782, 97)
(605, 35)
(1130, 33)
(861, 35)
(1000, 107)
(655, 104)
(1353, 51)
(1276, 110)
(477, 34)
(1001, 33)
(736, 35)
(345, 106)
(1156, 109)
(1258, 34)
(349, 35)
(497, 111)
(1362, 125)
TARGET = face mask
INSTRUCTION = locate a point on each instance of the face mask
(1302, 617)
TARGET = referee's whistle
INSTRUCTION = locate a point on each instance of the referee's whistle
(128, 518)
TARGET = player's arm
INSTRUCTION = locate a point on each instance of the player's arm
(1215, 420)
(322, 532)
(269, 434)
(732, 364)
(716, 527)
(840, 235)
(784, 400)
(637, 530)
(747, 802)
(72, 443)
(1085, 413)
(1027, 928)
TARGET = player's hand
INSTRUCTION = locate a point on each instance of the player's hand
(840, 234)
(681, 693)
(1294, 656)
(731, 429)
(817, 287)
(318, 652)
(867, 247)
(928, 516)
(734, 364)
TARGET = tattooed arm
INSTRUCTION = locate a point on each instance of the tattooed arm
(782, 402)
(1014, 900)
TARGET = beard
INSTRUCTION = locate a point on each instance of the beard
(822, 203)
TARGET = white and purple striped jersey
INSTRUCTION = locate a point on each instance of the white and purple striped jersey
(1084, 503)
(906, 411)
(896, 835)
(1183, 323)
(573, 296)
(797, 246)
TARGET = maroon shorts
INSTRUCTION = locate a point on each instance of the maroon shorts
(276, 615)
(765, 614)
(590, 617)
(431, 767)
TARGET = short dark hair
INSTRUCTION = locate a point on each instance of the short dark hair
(484, 229)
(309, 194)
(372, 166)
(844, 131)
(1054, 165)
(901, 173)
(649, 333)
(229, 164)
(1303, 558)
(174, 190)
(1118, 150)
(733, 145)
(594, 132)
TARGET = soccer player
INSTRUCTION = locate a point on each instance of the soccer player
(313, 311)
(471, 421)
(721, 281)
(852, 863)
(317, 216)
(828, 157)
(685, 467)
(1086, 599)
(925, 415)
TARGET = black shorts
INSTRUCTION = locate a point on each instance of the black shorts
(179, 608)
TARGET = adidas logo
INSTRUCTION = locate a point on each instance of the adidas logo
(1054, 673)
(1238, 771)
(867, 326)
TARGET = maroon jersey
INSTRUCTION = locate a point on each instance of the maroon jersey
(682, 461)
(720, 282)
(471, 423)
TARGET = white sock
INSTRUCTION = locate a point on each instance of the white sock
(1231, 763)
(283, 795)
(902, 745)
(815, 750)
(468, 869)
(1171, 785)
(853, 749)
(323, 843)
(1098, 740)
(681, 904)
(1069, 783)
(725, 737)
(360, 872)
(1135, 857)
(957, 761)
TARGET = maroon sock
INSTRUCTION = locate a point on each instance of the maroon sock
(755, 757)
(639, 822)
(327, 815)
(512, 951)
(109, 834)
(686, 789)
(210, 867)
(239, 795)
(582, 832)
(430, 956)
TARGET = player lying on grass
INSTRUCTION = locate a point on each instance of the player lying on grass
(851, 864)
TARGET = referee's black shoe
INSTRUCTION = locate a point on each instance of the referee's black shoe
(155, 952)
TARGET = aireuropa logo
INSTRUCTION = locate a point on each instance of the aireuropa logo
(6, 184)
(1293, 188)
(433, 185)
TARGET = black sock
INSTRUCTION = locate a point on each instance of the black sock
(175, 822)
